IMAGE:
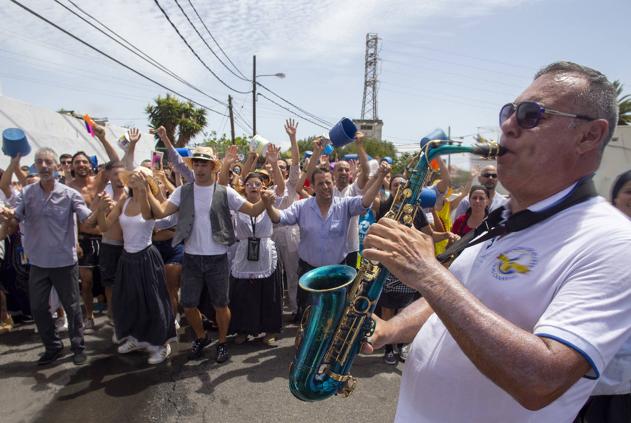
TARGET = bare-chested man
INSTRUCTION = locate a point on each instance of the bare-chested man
(89, 185)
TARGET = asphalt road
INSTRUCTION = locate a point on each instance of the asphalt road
(252, 386)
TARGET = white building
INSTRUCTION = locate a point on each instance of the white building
(63, 133)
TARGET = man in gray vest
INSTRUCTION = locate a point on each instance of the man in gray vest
(205, 226)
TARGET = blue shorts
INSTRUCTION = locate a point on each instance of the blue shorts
(170, 254)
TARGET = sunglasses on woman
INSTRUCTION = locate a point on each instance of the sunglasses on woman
(529, 113)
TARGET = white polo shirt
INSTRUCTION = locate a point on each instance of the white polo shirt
(565, 278)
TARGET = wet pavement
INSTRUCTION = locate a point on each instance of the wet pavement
(113, 387)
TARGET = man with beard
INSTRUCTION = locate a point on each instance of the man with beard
(488, 179)
(47, 210)
(89, 186)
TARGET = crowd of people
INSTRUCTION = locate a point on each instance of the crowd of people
(526, 318)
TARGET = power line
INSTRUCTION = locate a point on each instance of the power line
(294, 113)
(213, 38)
(311, 115)
(32, 12)
(206, 44)
(194, 52)
(132, 48)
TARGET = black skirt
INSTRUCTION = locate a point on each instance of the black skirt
(256, 305)
(140, 300)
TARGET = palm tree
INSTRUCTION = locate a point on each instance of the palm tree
(624, 105)
(176, 115)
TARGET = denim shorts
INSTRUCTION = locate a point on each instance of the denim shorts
(169, 253)
(212, 271)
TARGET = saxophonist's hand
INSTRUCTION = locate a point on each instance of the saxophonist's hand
(378, 339)
(407, 253)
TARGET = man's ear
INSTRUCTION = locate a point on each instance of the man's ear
(594, 136)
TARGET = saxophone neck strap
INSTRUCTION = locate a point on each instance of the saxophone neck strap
(495, 225)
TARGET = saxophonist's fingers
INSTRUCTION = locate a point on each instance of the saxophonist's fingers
(378, 241)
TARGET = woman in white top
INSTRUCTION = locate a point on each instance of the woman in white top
(256, 284)
(143, 315)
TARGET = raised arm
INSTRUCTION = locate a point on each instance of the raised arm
(99, 131)
(5, 181)
(313, 162)
(273, 154)
(128, 158)
(229, 159)
(250, 163)
(174, 158)
(445, 179)
(362, 177)
(291, 127)
(108, 212)
(371, 192)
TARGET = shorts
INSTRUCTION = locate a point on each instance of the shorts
(169, 253)
(210, 271)
(108, 262)
(91, 246)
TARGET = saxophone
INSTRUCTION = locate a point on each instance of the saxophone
(342, 299)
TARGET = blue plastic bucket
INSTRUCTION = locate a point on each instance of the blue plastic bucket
(350, 156)
(436, 134)
(427, 198)
(14, 142)
(308, 153)
(183, 151)
(94, 161)
(343, 132)
(387, 159)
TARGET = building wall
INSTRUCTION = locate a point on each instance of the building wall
(370, 128)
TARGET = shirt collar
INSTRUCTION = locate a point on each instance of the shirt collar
(543, 204)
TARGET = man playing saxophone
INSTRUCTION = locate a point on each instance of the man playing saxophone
(495, 344)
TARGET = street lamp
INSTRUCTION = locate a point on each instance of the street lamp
(254, 76)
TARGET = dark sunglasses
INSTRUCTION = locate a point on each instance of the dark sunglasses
(489, 175)
(529, 113)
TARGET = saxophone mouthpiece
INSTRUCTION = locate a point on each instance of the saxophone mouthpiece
(489, 150)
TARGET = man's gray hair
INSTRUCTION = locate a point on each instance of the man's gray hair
(47, 150)
(598, 100)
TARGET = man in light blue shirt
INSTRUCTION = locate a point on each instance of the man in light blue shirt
(323, 221)
(47, 209)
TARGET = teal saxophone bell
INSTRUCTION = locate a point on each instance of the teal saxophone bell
(339, 319)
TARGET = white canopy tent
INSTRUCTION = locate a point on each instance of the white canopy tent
(63, 133)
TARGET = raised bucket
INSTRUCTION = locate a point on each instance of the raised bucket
(14, 142)
(183, 151)
(436, 134)
(343, 132)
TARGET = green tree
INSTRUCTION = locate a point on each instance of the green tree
(221, 144)
(624, 104)
(178, 117)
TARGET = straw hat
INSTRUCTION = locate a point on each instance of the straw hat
(153, 185)
(202, 153)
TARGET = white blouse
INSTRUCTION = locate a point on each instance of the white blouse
(243, 268)
(136, 230)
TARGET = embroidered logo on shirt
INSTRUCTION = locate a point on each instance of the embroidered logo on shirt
(514, 262)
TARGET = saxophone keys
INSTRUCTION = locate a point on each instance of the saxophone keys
(348, 387)
(407, 193)
(408, 209)
(407, 219)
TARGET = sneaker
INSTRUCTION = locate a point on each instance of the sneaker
(403, 352)
(197, 349)
(88, 324)
(389, 357)
(49, 357)
(240, 339)
(130, 345)
(79, 358)
(222, 353)
(269, 340)
(61, 324)
(6, 325)
(159, 354)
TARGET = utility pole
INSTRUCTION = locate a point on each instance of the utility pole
(231, 119)
(254, 95)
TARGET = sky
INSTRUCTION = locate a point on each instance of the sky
(447, 64)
